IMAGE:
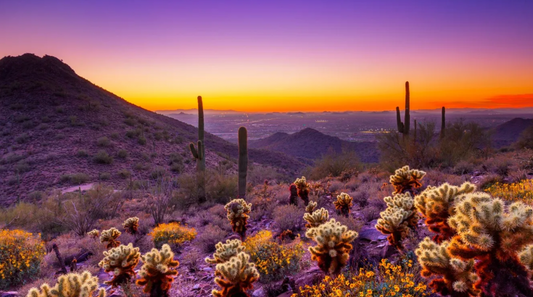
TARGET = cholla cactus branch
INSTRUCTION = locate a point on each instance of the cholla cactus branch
(70, 285)
(238, 213)
(235, 276)
(436, 204)
(131, 225)
(94, 234)
(158, 271)
(454, 276)
(121, 261)
(293, 197)
(406, 180)
(398, 218)
(311, 207)
(332, 245)
(303, 189)
(343, 203)
(225, 251)
(110, 236)
(317, 218)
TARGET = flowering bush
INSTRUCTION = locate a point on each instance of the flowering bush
(20, 257)
(272, 260)
(387, 280)
(173, 234)
(521, 191)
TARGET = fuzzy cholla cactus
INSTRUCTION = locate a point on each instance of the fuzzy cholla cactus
(157, 271)
(526, 258)
(311, 207)
(121, 261)
(70, 285)
(110, 236)
(399, 217)
(333, 245)
(131, 225)
(238, 214)
(436, 204)
(235, 276)
(225, 251)
(455, 277)
(406, 180)
(317, 218)
(492, 234)
(343, 203)
(303, 189)
(94, 233)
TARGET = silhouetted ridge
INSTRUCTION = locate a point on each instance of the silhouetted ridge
(509, 132)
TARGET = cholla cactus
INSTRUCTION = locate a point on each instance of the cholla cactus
(317, 218)
(94, 233)
(311, 207)
(131, 225)
(238, 211)
(406, 180)
(333, 245)
(343, 203)
(70, 285)
(121, 261)
(526, 258)
(293, 197)
(224, 251)
(456, 277)
(157, 271)
(436, 204)
(492, 234)
(303, 189)
(110, 236)
(399, 217)
(235, 276)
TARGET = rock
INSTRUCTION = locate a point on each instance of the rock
(258, 293)
(388, 251)
(9, 294)
(371, 234)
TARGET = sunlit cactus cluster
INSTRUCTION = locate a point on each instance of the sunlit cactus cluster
(158, 271)
(110, 237)
(121, 261)
(398, 218)
(238, 214)
(317, 218)
(303, 189)
(406, 180)
(131, 225)
(343, 204)
(70, 285)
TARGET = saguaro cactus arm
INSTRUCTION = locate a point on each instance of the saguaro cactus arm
(243, 160)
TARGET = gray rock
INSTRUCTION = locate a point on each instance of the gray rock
(371, 234)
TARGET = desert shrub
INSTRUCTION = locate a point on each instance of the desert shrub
(463, 167)
(221, 187)
(133, 133)
(102, 157)
(158, 173)
(272, 260)
(160, 200)
(103, 142)
(140, 166)
(386, 280)
(82, 153)
(35, 196)
(141, 139)
(257, 174)
(463, 141)
(526, 139)
(74, 178)
(22, 166)
(335, 186)
(263, 207)
(334, 164)
(288, 217)
(20, 257)
(122, 154)
(124, 173)
(350, 222)
(488, 180)
(22, 138)
(520, 191)
(210, 236)
(173, 234)
(104, 176)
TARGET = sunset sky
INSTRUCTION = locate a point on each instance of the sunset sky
(286, 55)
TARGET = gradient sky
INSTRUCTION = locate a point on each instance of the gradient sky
(286, 55)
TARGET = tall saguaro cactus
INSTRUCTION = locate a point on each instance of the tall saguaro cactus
(199, 153)
(405, 126)
(443, 123)
(243, 160)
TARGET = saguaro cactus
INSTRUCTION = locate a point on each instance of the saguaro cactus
(243, 160)
(404, 127)
(199, 153)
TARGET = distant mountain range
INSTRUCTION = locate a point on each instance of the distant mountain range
(509, 132)
(57, 129)
(310, 144)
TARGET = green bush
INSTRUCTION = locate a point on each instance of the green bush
(124, 173)
(103, 142)
(102, 157)
(334, 164)
(122, 154)
(82, 153)
(104, 176)
(74, 178)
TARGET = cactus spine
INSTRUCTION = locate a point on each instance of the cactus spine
(443, 123)
(199, 153)
(404, 127)
(243, 160)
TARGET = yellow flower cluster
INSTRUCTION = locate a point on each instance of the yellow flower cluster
(521, 191)
(387, 280)
(173, 234)
(20, 257)
(273, 260)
